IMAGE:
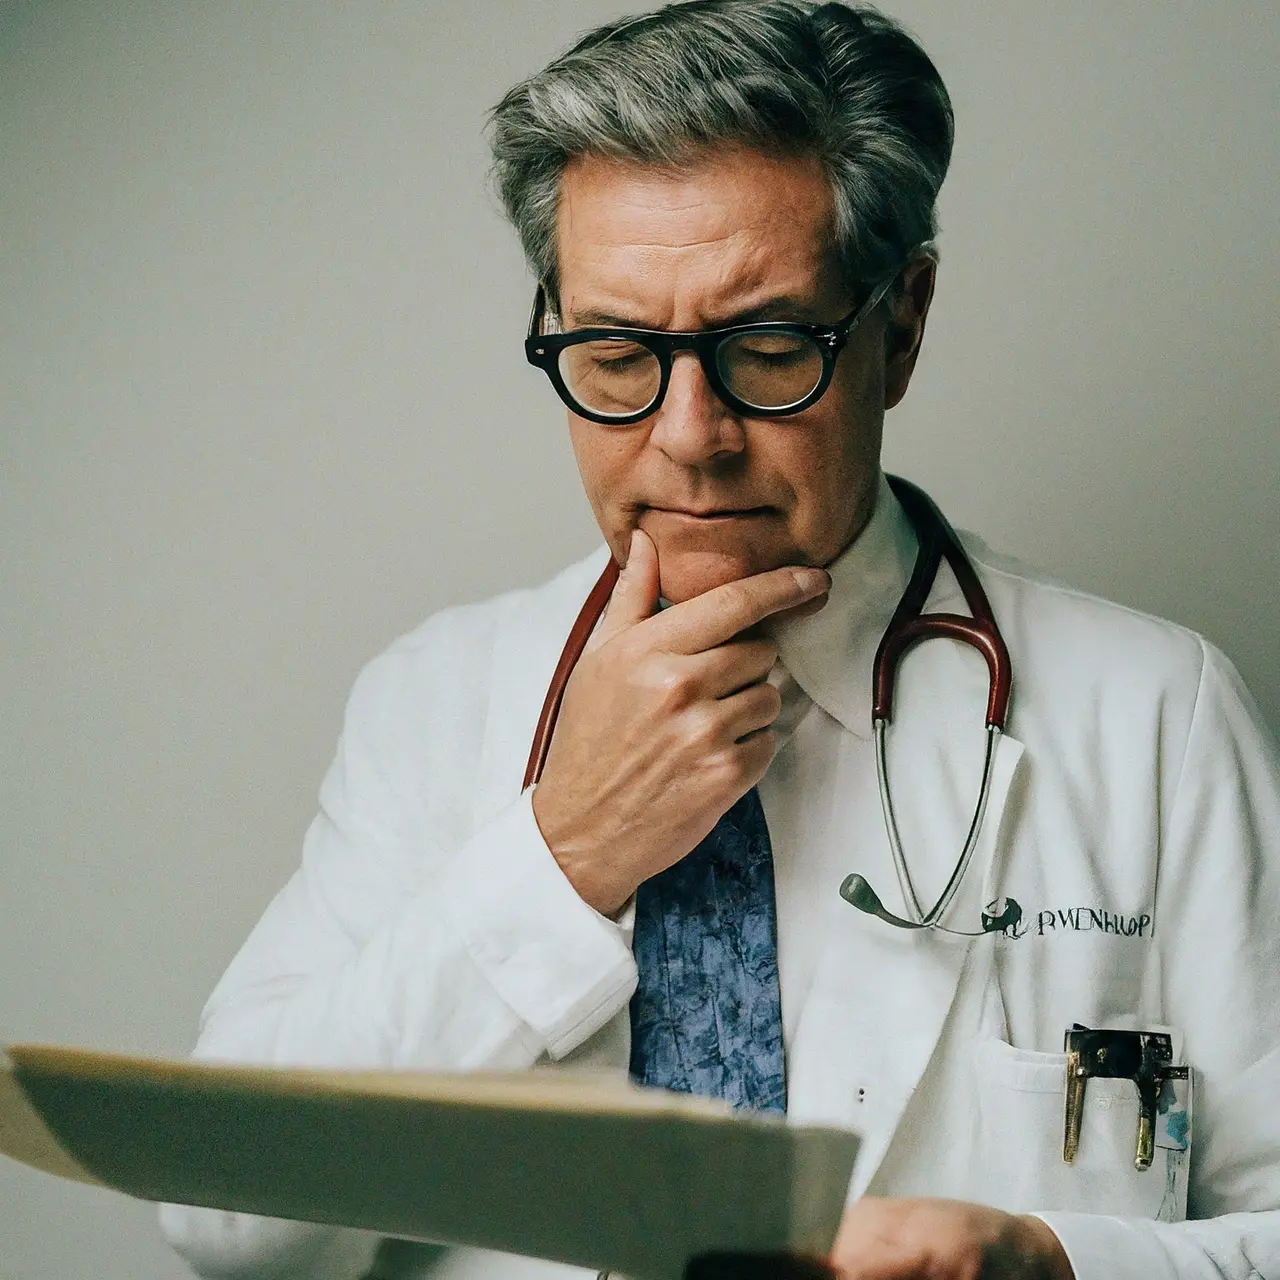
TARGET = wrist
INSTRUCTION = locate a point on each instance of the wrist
(580, 863)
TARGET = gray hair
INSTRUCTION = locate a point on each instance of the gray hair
(844, 84)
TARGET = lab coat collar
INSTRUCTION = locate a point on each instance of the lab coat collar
(830, 654)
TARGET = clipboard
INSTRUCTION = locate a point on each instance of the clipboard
(574, 1168)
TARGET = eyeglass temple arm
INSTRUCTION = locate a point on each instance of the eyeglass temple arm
(538, 312)
(846, 327)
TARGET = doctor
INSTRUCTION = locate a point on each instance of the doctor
(665, 899)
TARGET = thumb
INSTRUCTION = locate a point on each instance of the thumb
(635, 597)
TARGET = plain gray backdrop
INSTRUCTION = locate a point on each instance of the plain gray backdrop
(263, 406)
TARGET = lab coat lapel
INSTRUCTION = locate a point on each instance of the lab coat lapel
(910, 1013)
(880, 997)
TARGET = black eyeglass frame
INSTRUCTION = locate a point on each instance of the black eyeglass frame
(543, 351)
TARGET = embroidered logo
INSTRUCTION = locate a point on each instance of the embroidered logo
(1005, 915)
(1092, 920)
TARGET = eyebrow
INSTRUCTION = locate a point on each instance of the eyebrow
(782, 308)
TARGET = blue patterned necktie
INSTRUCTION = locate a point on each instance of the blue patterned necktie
(706, 1017)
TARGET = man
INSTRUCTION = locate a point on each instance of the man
(709, 169)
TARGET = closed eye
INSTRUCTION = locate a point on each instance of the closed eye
(615, 356)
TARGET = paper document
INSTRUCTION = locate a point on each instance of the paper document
(575, 1169)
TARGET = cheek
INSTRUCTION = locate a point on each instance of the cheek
(831, 469)
(598, 456)
(607, 460)
(821, 476)
(825, 456)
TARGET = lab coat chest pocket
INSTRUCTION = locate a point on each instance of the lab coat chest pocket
(1020, 1101)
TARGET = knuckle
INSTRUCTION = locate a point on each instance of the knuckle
(704, 727)
(737, 599)
(725, 769)
(668, 680)
(741, 766)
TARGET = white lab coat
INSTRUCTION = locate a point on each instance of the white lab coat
(1135, 819)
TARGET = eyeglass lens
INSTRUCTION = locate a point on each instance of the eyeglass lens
(766, 370)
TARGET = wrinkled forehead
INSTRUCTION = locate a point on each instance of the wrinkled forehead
(731, 225)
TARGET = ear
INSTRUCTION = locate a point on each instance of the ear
(905, 329)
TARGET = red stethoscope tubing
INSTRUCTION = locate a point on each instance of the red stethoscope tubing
(590, 613)
(910, 624)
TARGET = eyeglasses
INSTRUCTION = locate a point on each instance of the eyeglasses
(617, 376)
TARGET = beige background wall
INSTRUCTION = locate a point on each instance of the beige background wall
(263, 406)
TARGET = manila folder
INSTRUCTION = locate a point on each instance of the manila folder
(573, 1168)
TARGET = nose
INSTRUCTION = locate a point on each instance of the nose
(693, 426)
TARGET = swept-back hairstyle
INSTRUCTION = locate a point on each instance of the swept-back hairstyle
(844, 84)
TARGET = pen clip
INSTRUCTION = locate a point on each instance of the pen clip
(1145, 1057)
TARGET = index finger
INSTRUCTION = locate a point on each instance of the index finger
(716, 616)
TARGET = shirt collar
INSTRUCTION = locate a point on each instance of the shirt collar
(830, 654)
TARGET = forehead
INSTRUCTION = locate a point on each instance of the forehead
(729, 230)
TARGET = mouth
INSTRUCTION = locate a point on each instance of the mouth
(712, 515)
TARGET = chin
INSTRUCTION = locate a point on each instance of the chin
(687, 574)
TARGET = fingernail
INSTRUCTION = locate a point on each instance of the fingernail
(812, 580)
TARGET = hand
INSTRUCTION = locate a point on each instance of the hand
(882, 1239)
(664, 725)
(885, 1239)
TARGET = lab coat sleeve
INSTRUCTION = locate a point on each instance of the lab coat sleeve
(405, 940)
(1218, 905)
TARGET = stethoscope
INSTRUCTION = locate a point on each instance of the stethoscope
(907, 628)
